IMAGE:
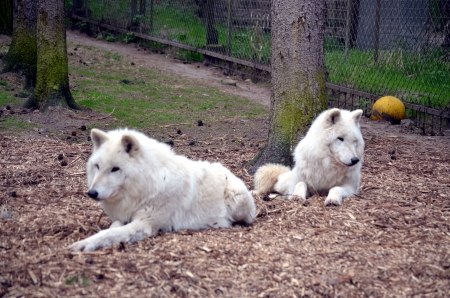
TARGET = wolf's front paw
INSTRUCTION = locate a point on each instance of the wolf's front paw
(83, 245)
(336, 201)
(333, 199)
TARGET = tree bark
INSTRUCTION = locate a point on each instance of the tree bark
(298, 76)
(22, 54)
(52, 86)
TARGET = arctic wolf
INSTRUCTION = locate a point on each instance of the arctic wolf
(144, 187)
(328, 161)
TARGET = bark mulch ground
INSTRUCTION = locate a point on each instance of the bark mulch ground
(392, 240)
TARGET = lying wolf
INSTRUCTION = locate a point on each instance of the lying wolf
(145, 187)
(328, 160)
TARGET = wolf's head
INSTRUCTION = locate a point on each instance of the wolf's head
(113, 152)
(344, 137)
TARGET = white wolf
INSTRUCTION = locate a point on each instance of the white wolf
(145, 187)
(328, 160)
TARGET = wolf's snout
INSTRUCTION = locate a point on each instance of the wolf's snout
(354, 160)
(93, 194)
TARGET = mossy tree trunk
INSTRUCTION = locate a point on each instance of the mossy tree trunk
(298, 76)
(21, 55)
(52, 86)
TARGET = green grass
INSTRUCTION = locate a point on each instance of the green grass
(6, 95)
(420, 77)
(14, 124)
(423, 79)
(143, 97)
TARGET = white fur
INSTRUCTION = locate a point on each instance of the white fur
(323, 161)
(145, 187)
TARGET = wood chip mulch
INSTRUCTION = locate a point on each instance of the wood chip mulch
(392, 240)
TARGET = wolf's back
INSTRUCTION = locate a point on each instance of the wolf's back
(266, 177)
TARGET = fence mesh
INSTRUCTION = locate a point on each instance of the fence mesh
(395, 47)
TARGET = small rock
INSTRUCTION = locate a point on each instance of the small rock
(229, 82)
(5, 215)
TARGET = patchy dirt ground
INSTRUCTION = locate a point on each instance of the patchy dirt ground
(392, 240)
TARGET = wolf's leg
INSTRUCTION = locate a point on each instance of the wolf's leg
(130, 233)
(245, 210)
(300, 191)
(337, 194)
(116, 224)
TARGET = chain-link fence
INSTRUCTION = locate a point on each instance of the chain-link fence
(391, 47)
(379, 47)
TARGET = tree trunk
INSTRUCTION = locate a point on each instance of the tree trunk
(22, 52)
(52, 86)
(298, 76)
(6, 16)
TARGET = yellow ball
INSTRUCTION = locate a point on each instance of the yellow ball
(389, 108)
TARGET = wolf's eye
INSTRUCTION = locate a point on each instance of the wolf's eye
(340, 139)
(115, 169)
(98, 168)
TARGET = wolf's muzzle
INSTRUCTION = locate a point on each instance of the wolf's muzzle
(354, 161)
(93, 194)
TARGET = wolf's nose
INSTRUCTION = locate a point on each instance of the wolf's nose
(93, 194)
(354, 160)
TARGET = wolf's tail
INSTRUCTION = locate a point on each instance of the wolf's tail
(266, 177)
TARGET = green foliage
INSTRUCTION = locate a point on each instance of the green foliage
(129, 37)
(138, 18)
(82, 25)
(110, 37)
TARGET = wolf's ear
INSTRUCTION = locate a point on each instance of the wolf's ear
(333, 116)
(130, 144)
(356, 115)
(98, 137)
